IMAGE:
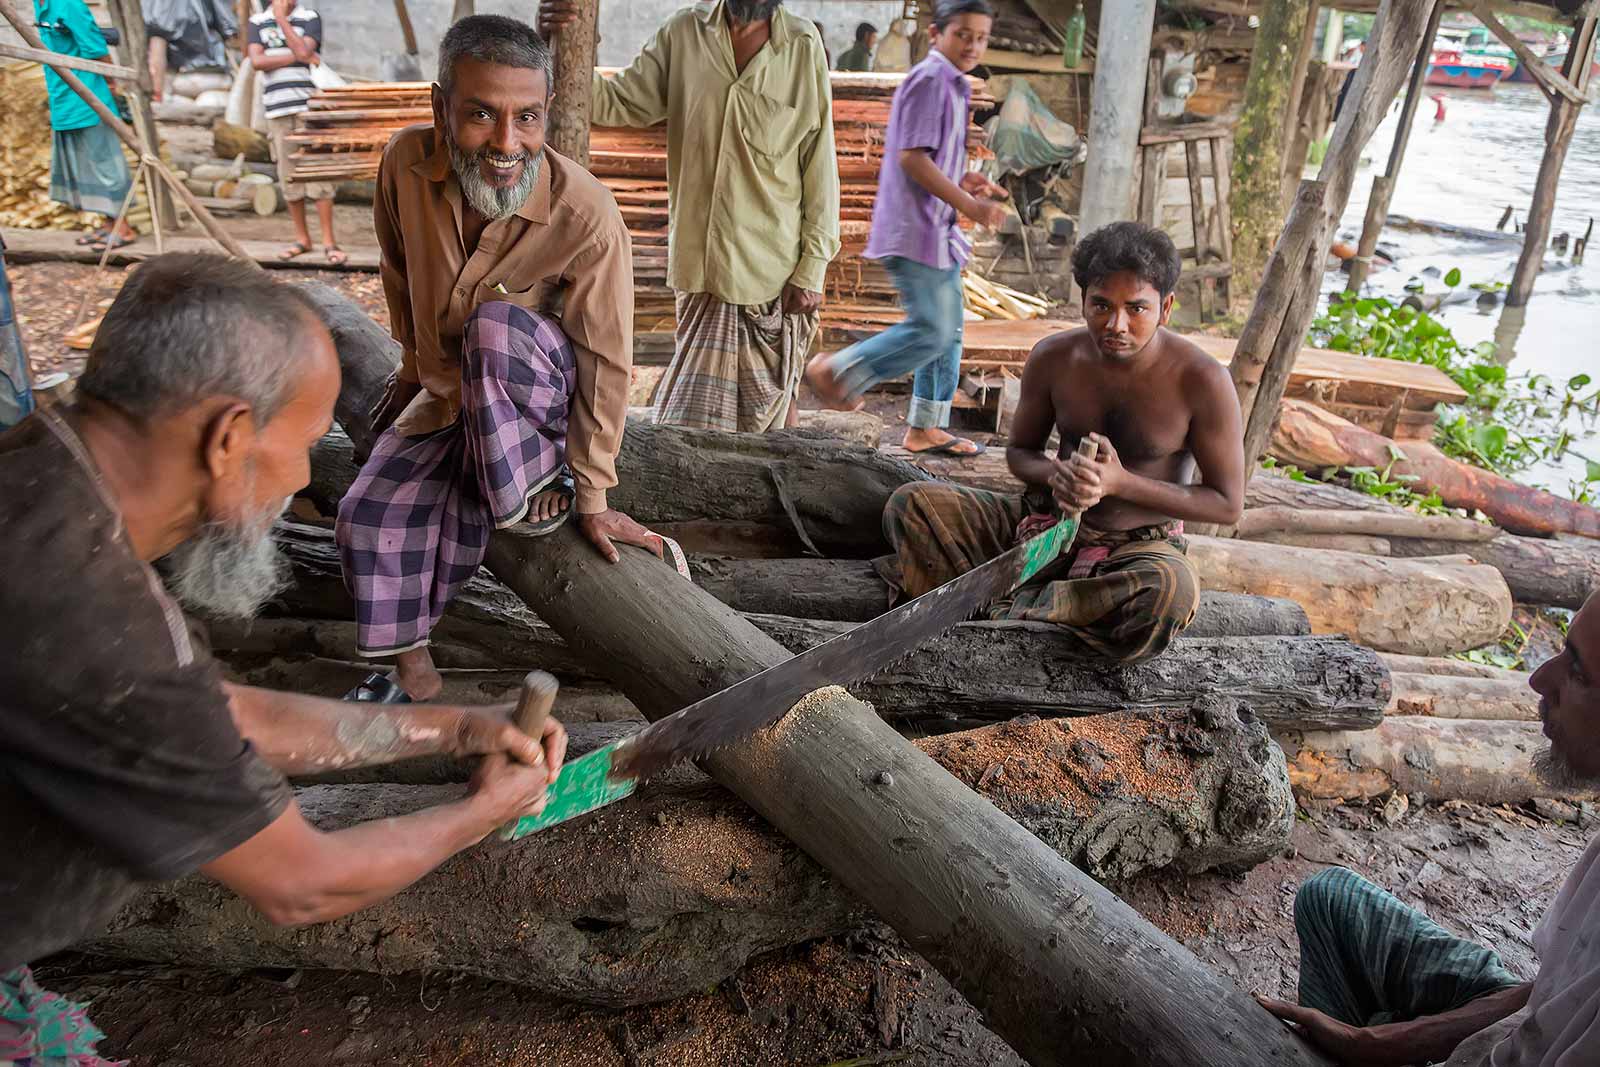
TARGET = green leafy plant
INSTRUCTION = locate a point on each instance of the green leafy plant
(1508, 422)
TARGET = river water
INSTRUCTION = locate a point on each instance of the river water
(1464, 171)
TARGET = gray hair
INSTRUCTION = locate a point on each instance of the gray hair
(190, 326)
(494, 39)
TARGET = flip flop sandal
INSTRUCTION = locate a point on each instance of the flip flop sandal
(378, 688)
(330, 251)
(294, 251)
(93, 237)
(562, 483)
(952, 448)
(112, 243)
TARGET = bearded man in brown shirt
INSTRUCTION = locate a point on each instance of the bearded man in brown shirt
(508, 273)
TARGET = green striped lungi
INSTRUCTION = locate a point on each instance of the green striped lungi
(88, 171)
(1124, 595)
(1366, 958)
(734, 366)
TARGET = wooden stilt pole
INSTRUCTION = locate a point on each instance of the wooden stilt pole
(1294, 159)
(575, 55)
(128, 18)
(1267, 348)
(1383, 187)
(1558, 133)
(207, 221)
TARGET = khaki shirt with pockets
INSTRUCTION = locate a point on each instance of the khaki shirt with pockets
(565, 253)
(752, 179)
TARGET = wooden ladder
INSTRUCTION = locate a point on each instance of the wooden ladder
(1213, 230)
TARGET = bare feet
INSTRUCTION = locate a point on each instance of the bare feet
(417, 675)
(546, 505)
(820, 377)
(933, 439)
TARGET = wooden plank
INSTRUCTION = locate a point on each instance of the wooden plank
(54, 246)
(1012, 341)
(1549, 82)
(56, 59)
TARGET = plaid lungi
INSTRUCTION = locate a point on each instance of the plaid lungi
(415, 525)
(38, 1027)
(734, 366)
(1124, 595)
(1366, 958)
(88, 171)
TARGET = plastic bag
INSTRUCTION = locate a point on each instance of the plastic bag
(194, 30)
(325, 77)
(1026, 136)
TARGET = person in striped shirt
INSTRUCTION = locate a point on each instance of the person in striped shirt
(283, 43)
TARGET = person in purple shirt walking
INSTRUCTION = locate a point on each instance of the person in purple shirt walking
(924, 182)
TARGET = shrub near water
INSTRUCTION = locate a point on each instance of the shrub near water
(1508, 422)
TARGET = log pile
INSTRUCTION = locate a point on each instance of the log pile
(25, 154)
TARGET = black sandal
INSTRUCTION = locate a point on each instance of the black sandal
(562, 483)
(378, 688)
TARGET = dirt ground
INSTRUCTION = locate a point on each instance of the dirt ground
(860, 999)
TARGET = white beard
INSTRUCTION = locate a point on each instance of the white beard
(230, 570)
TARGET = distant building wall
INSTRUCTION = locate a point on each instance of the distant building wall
(361, 32)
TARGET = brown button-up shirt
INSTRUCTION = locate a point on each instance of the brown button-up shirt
(565, 253)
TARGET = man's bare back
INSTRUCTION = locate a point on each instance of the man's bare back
(1169, 412)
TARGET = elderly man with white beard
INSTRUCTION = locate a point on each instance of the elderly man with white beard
(509, 277)
(124, 756)
(1382, 985)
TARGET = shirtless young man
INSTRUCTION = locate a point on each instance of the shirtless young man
(1165, 418)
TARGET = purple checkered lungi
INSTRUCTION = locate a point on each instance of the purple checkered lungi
(415, 524)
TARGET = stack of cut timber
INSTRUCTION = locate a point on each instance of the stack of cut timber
(25, 154)
(342, 136)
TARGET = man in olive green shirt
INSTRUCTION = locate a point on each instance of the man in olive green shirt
(753, 190)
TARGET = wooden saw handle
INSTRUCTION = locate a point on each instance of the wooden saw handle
(1088, 450)
(533, 705)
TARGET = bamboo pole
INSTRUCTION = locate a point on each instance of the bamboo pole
(207, 221)
(128, 17)
(88, 66)
(1563, 122)
(1383, 187)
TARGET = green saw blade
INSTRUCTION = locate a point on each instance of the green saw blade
(1047, 548)
(583, 785)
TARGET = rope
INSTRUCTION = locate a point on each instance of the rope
(94, 282)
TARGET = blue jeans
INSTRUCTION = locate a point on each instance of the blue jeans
(16, 397)
(927, 340)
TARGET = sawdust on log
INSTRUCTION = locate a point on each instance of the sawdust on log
(1077, 762)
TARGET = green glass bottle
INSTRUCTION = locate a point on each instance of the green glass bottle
(1072, 46)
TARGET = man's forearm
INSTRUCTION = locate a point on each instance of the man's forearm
(265, 63)
(1188, 503)
(1433, 1038)
(1031, 467)
(920, 168)
(300, 734)
(298, 44)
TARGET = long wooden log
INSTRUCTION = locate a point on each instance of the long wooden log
(681, 885)
(1447, 666)
(979, 672)
(1561, 572)
(1360, 544)
(1444, 759)
(842, 590)
(1426, 607)
(1457, 697)
(1372, 523)
(976, 672)
(1309, 437)
(574, 47)
(1062, 970)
